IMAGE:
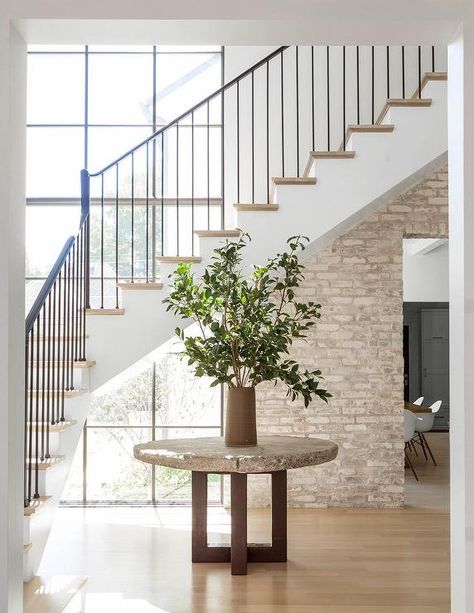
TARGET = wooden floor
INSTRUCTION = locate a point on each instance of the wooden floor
(340, 561)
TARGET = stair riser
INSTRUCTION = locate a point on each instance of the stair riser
(81, 377)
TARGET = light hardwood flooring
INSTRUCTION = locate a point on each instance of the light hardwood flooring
(340, 560)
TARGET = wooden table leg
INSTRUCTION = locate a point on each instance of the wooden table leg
(279, 516)
(199, 515)
(238, 510)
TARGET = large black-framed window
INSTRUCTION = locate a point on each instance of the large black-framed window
(87, 105)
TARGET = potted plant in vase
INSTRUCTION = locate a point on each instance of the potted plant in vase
(246, 325)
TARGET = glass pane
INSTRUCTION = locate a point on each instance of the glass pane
(184, 80)
(123, 48)
(107, 144)
(73, 488)
(182, 398)
(172, 484)
(120, 89)
(47, 229)
(113, 473)
(55, 89)
(55, 158)
(56, 48)
(187, 48)
(128, 403)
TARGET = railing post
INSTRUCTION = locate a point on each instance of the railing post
(85, 218)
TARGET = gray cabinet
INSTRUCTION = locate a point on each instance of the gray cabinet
(435, 362)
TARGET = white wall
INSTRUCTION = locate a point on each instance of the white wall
(12, 322)
(425, 275)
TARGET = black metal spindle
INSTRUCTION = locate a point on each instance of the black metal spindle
(162, 221)
(373, 85)
(53, 341)
(26, 494)
(132, 214)
(35, 422)
(388, 72)
(403, 71)
(328, 111)
(297, 83)
(253, 134)
(343, 98)
(419, 71)
(432, 58)
(75, 296)
(116, 235)
(237, 93)
(222, 158)
(358, 84)
(313, 136)
(267, 90)
(61, 338)
(282, 94)
(177, 188)
(192, 179)
(29, 456)
(44, 391)
(208, 169)
(84, 285)
(49, 367)
(80, 286)
(102, 221)
(147, 216)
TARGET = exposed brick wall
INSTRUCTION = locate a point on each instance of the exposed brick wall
(358, 346)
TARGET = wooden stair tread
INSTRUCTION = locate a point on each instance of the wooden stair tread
(321, 155)
(36, 505)
(388, 127)
(47, 463)
(217, 233)
(140, 286)
(67, 393)
(177, 259)
(27, 547)
(430, 76)
(256, 207)
(77, 364)
(294, 180)
(51, 595)
(403, 102)
(59, 337)
(59, 427)
(105, 311)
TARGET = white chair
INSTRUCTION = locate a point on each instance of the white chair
(424, 424)
(419, 401)
(409, 420)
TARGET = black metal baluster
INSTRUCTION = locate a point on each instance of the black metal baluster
(403, 71)
(177, 187)
(48, 381)
(343, 98)
(419, 71)
(53, 340)
(162, 194)
(116, 235)
(238, 139)
(29, 457)
(80, 286)
(84, 283)
(35, 423)
(358, 83)
(26, 495)
(253, 135)
(132, 214)
(74, 303)
(147, 214)
(388, 72)
(313, 136)
(222, 159)
(208, 173)
(297, 111)
(68, 324)
(327, 99)
(102, 221)
(44, 391)
(432, 58)
(61, 338)
(192, 178)
(373, 86)
(282, 90)
(268, 131)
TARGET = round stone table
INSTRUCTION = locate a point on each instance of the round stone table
(203, 456)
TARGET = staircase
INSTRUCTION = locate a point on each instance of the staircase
(279, 166)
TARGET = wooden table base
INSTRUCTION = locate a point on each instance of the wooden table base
(240, 552)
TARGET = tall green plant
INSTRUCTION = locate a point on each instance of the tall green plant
(247, 323)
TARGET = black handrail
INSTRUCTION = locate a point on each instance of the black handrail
(194, 108)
